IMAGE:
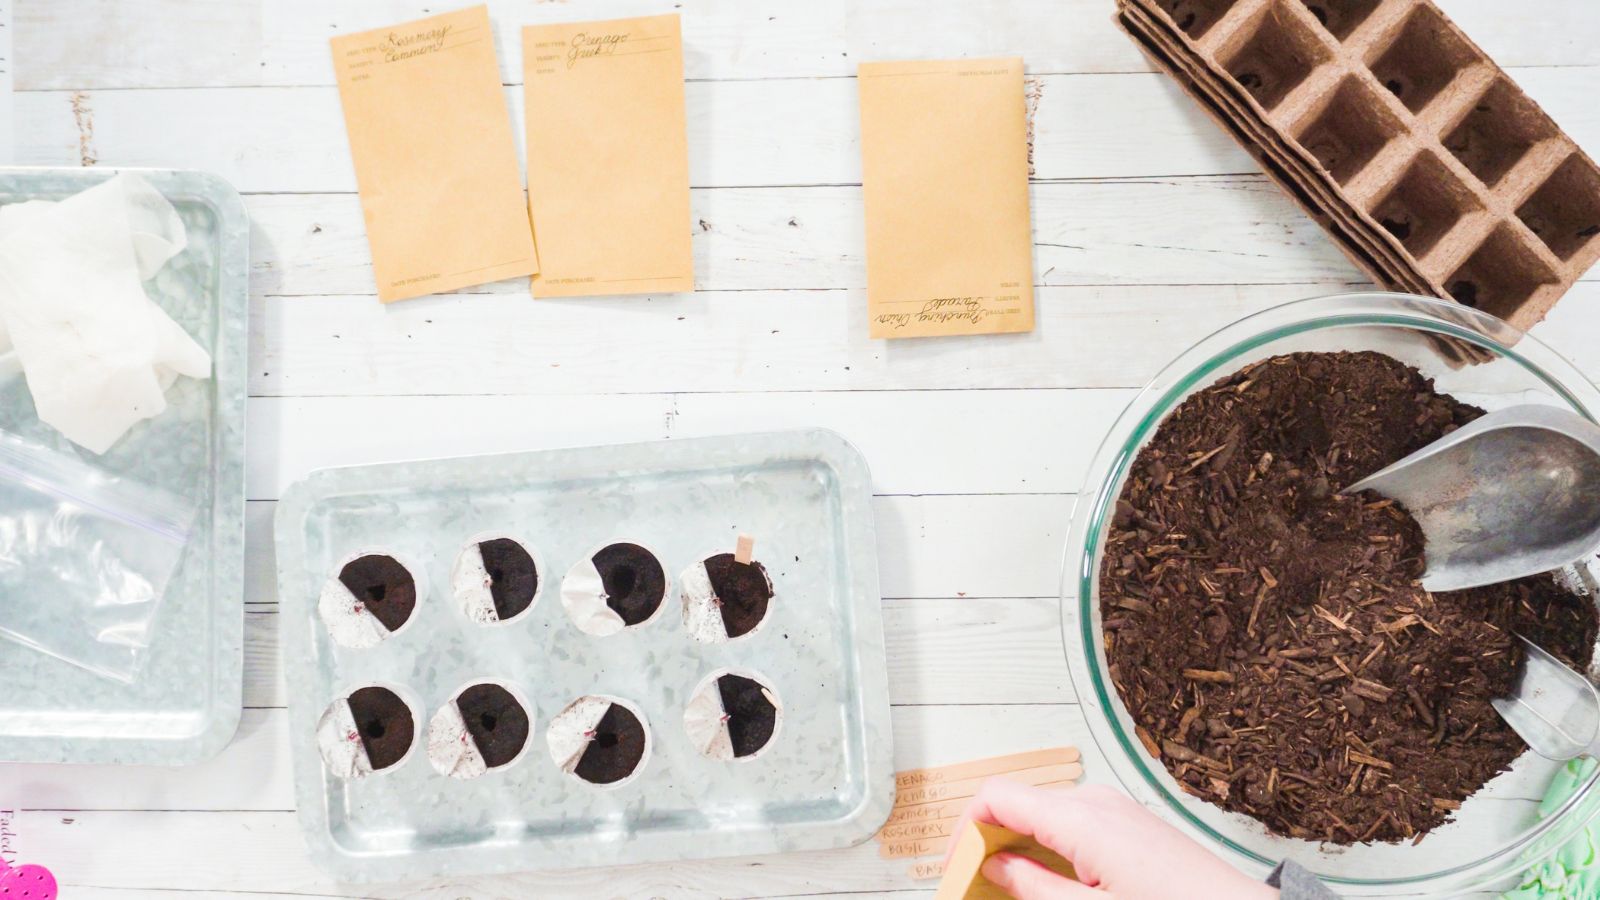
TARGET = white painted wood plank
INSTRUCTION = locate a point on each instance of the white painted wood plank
(714, 341)
(264, 850)
(81, 44)
(741, 133)
(942, 442)
(1006, 545)
(1085, 233)
(101, 892)
(286, 43)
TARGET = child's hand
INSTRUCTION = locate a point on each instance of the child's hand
(1117, 847)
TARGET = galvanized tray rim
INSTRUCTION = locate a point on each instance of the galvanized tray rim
(701, 454)
(230, 364)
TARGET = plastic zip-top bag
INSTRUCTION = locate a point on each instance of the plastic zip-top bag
(85, 557)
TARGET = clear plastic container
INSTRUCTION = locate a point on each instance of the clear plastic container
(1476, 358)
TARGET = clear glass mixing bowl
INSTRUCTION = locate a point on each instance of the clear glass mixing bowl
(1472, 356)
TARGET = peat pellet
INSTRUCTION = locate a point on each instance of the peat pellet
(1269, 636)
(370, 730)
(619, 586)
(732, 714)
(604, 741)
(495, 579)
(371, 596)
(723, 598)
(484, 727)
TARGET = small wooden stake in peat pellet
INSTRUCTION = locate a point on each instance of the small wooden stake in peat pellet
(744, 550)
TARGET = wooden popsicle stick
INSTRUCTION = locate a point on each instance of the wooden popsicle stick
(991, 766)
(966, 787)
(916, 831)
(945, 809)
(744, 550)
(923, 871)
(903, 849)
(924, 812)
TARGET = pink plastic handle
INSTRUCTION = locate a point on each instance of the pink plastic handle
(26, 883)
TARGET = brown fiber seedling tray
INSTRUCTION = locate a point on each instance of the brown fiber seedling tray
(1428, 165)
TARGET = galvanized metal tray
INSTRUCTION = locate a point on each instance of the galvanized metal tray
(827, 780)
(184, 706)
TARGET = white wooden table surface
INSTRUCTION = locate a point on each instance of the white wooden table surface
(1151, 229)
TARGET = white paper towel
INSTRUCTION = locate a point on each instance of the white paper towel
(98, 353)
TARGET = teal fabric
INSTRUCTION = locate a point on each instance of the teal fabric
(1573, 872)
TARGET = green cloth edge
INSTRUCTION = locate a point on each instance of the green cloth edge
(1573, 871)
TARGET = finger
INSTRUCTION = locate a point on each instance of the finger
(1046, 814)
(1028, 880)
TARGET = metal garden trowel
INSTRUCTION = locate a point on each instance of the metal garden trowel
(1554, 709)
(1514, 493)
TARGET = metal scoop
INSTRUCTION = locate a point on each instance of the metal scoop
(1514, 493)
(1554, 709)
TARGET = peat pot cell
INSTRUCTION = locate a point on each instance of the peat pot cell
(1498, 132)
(1565, 211)
(370, 730)
(1196, 17)
(1423, 59)
(619, 586)
(1341, 17)
(495, 579)
(602, 740)
(370, 597)
(1278, 57)
(1423, 205)
(1349, 131)
(1499, 276)
(482, 728)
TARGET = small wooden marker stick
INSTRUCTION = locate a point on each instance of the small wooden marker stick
(745, 550)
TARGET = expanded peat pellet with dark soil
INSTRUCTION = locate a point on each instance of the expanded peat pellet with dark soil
(495, 579)
(368, 731)
(497, 722)
(620, 586)
(384, 586)
(1269, 636)
(601, 740)
(369, 598)
(732, 715)
(616, 749)
(751, 713)
(385, 724)
(484, 727)
(634, 579)
(723, 598)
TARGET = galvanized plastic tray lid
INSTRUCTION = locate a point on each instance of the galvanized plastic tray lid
(185, 704)
(825, 781)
